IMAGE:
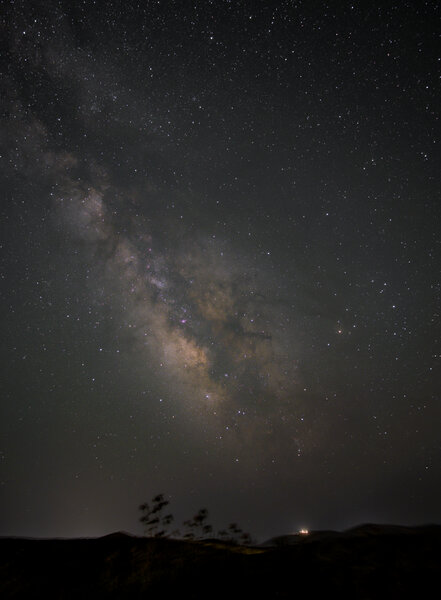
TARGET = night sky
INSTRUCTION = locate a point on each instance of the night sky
(220, 261)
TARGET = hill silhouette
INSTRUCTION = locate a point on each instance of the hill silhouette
(369, 561)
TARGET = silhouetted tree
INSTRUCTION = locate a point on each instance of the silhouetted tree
(235, 535)
(246, 539)
(197, 526)
(155, 524)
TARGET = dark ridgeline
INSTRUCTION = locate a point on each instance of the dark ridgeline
(371, 561)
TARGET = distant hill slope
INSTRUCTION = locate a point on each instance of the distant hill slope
(369, 561)
(365, 530)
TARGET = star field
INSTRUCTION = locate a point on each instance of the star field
(220, 258)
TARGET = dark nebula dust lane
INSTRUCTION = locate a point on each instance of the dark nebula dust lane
(220, 259)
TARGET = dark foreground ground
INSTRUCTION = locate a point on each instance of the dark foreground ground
(370, 561)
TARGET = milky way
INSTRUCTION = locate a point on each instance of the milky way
(195, 312)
